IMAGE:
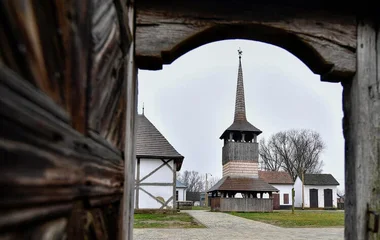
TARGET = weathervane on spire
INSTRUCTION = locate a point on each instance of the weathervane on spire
(240, 52)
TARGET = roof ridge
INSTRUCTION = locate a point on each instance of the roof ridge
(151, 142)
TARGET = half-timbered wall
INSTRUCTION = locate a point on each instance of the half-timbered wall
(155, 184)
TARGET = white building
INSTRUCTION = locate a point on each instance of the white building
(319, 191)
(156, 168)
(181, 191)
(284, 183)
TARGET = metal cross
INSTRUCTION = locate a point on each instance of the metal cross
(240, 52)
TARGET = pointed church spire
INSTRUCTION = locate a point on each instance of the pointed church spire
(240, 123)
(240, 100)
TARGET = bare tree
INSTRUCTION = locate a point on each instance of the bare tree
(269, 160)
(193, 180)
(212, 181)
(294, 151)
(340, 193)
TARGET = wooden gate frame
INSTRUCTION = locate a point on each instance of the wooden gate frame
(62, 152)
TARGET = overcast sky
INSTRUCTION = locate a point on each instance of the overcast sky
(191, 101)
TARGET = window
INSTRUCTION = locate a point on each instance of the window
(176, 195)
(286, 198)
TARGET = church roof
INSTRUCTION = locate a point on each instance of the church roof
(275, 177)
(178, 184)
(245, 184)
(240, 119)
(320, 179)
(150, 143)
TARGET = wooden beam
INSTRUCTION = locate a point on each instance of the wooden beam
(361, 125)
(155, 184)
(150, 195)
(155, 170)
(167, 202)
(324, 42)
(137, 183)
(166, 163)
(130, 131)
(174, 186)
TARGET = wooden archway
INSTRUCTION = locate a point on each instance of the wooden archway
(68, 98)
(324, 41)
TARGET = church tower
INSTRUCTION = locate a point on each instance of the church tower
(240, 151)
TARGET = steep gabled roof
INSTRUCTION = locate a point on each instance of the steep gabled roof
(151, 143)
(234, 183)
(320, 179)
(274, 177)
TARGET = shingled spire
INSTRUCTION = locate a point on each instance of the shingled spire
(240, 100)
(240, 123)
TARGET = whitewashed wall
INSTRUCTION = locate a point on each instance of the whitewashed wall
(321, 194)
(284, 188)
(163, 175)
(298, 192)
(181, 194)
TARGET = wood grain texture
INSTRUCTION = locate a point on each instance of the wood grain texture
(47, 44)
(323, 41)
(361, 125)
(107, 84)
(63, 109)
(45, 161)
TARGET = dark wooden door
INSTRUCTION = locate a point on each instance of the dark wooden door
(328, 198)
(276, 201)
(313, 198)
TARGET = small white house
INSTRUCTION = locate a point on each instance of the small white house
(156, 168)
(180, 191)
(284, 183)
(319, 191)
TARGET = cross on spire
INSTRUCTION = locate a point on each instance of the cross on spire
(240, 53)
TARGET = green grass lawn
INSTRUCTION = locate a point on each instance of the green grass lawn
(298, 219)
(165, 220)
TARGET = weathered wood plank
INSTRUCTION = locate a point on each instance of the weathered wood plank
(24, 52)
(107, 85)
(324, 42)
(47, 44)
(361, 125)
(130, 132)
(45, 161)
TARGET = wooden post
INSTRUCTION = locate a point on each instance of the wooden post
(129, 152)
(137, 191)
(293, 194)
(361, 128)
(206, 195)
(174, 185)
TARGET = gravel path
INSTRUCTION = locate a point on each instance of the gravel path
(222, 226)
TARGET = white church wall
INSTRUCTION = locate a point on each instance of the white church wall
(163, 175)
